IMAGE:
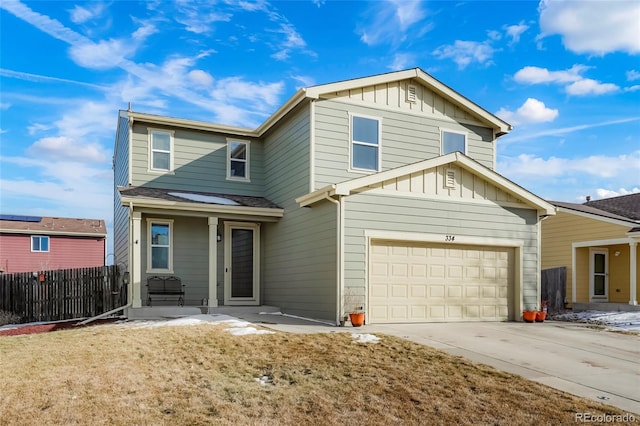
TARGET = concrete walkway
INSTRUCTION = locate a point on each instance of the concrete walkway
(587, 362)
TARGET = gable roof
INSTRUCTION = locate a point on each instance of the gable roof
(53, 226)
(348, 187)
(625, 208)
(500, 126)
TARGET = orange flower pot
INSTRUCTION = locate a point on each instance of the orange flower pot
(529, 316)
(540, 316)
(357, 319)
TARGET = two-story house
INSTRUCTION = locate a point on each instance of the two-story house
(376, 193)
(37, 243)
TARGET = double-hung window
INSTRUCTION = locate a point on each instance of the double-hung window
(160, 245)
(365, 143)
(39, 243)
(237, 159)
(453, 141)
(160, 150)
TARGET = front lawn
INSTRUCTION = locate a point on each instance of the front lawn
(202, 374)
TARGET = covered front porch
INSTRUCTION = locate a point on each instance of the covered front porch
(606, 274)
(210, 244)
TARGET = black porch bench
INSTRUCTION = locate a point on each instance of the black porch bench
(168, 286)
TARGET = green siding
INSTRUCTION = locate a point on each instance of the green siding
(299, 252)
(406, 138)
(120, 178)
(404, 214)
(200, 163)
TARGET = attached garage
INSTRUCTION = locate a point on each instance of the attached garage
(412, 281)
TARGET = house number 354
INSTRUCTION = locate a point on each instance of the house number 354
(449, 237)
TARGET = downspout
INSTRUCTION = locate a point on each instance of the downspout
(339, 258)
(129, 290)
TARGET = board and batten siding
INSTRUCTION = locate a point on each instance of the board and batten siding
(559, 232)
(405, 139)
(121, 178)
(200, 163)
(190, 257)
(299, 252)
(377, 212)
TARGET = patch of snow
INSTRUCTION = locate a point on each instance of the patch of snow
(620, 321)
(365, 338)
(244, 331)
(204, 198)
(265, 381)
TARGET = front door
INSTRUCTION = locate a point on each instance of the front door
(599, 271)
(242, 263)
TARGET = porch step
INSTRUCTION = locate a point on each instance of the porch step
(166, 312)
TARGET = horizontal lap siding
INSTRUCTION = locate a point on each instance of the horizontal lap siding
(200, 163)
(190, 256)
(403, 214)
(121, 178)
(406, 138)
(299, 271)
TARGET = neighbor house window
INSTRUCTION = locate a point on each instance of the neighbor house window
(453, 141)
(160, 251)
(365, 143)
(39, 243)
(160, 150)
(238, 159)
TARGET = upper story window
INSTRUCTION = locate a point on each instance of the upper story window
(365, 143)
(160, 250)
(160, 150)
(39, 243)
(237, 159)
(453, 141)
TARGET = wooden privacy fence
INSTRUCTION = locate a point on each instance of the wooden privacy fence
(62, 294)
(554, 288)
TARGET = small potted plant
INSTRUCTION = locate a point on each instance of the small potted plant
(354, 304)
(541, 315)
(529, 315)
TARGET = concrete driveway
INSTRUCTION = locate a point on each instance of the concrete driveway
(591, 363)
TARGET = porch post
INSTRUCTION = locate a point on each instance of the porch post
(136, 260)
(633, 272)
(213, 262)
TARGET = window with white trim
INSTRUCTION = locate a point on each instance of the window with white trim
(237, 159)
(365, 143)
(39, 243)
(453, 141)
(160, 245)
(160, 150)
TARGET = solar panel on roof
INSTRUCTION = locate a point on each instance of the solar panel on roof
(19, 218)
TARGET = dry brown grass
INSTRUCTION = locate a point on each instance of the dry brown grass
(201, 375)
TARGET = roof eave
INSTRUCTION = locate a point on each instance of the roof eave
(201, 207)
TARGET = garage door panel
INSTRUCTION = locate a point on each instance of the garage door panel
(418, 282)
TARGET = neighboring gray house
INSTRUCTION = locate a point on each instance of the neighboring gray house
(378, 192)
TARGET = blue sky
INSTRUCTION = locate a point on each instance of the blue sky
(566, 74)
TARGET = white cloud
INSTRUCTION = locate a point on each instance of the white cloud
(609, 193)
(536, 75)
(561, 131)
(387, 22)
(593, 27)
(588, 86)
(633, 75)
(5, 106)
(532, 111)
(304, 80)
(67, 149)
(464, 53)
(200, 77)
(402, 61)
(515, 31)
(80, 15)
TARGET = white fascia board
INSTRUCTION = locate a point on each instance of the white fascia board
(190, 124)
(629, 223)
(197, 207)
(45, 233)
(293, 101)
(317, 91)
(315, 196)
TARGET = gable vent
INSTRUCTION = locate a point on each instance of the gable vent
(450, 178)
(412, 91)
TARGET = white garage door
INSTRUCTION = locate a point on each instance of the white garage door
(427, 282)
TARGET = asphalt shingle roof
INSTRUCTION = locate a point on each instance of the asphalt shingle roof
(166, 194)
(58, 225)
(625, 207)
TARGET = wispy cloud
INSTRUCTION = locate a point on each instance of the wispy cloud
(80, 14)
(387, 22)
(561, 131)
(47, 79)
(593, 27)
(515, 31)
(464, 53)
